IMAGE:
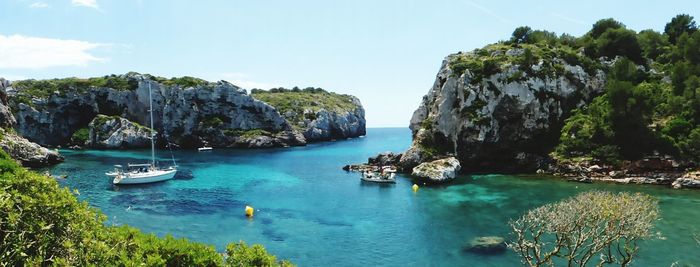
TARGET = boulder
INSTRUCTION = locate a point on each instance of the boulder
(486, 245)
(688, 180)
(117, 132)
(27, 153)
(438, 170)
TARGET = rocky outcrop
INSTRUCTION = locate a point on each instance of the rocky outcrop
(6, 118)
(328, 125)
(116, 132)
(376, 163)
(441, 170)
(217, 114)
(317, 114)
(507, 121)
(27, 153)
(688, 180)
(385, 159)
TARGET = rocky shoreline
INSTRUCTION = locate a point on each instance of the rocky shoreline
(651, 171)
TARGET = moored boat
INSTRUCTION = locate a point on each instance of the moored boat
(144, 173)
(378, 177)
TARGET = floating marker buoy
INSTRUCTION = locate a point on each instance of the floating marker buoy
(249, 211)
(414, 187)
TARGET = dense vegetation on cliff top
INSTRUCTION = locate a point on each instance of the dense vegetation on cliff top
(45, 88)
(42, 223)
(292, 103)
(651, 103)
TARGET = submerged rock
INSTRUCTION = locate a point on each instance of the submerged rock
(438, 170)
(486, 245)
(117, 132)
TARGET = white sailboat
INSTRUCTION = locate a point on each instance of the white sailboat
(144, 173)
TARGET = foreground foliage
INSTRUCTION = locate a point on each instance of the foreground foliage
(592, 226)
(42, 223)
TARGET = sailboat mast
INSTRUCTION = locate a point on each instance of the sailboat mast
(150, 109)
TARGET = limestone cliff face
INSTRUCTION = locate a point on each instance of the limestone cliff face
(21, 149)
(328, 125)
(6, 118)
(318, 114)
(507, 120)
(117, 132)
(218, 114)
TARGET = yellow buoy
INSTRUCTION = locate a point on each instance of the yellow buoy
(414, 187)
(249, 211)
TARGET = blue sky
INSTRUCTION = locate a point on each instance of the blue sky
(384, 52)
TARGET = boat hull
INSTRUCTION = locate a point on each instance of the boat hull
(379, 179)
(145, 178)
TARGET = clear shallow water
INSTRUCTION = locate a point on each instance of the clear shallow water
(315, 214)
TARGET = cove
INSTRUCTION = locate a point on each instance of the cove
(313, 213)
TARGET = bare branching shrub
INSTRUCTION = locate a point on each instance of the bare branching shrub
(592, 226)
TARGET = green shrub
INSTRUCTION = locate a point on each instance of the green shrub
(212, 122)
(241, 254)
(80, 136)
(43, 224)
(247, 133)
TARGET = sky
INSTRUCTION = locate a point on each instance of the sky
(386, 53)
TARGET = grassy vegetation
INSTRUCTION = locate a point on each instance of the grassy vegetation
(44, 88)
(297, 100)
(184, 81)
(80, 136)
(247, 133)
(42, 224)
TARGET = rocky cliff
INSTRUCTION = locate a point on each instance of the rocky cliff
(19, 148)
(316, 113)
(500, 107)
(187, 111)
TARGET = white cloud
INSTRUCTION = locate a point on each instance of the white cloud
(86, 3)
(39, 5)
(242, 80)
(26, 52)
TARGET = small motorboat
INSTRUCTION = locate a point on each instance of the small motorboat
(204, 148)
(378, 177)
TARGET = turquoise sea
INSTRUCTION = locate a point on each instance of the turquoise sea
(312, 212)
